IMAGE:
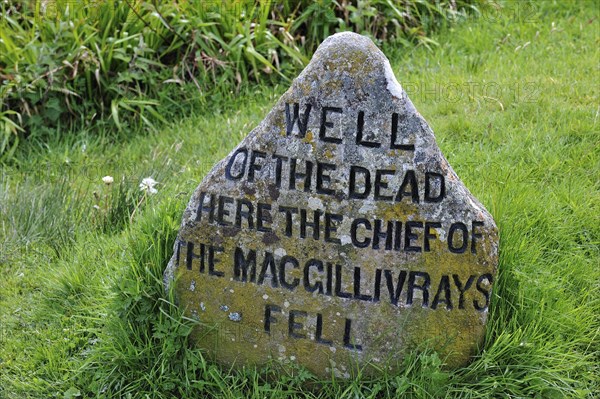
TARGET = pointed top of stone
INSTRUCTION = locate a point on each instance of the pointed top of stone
(356, 54)
(348, 47)
(336, 233)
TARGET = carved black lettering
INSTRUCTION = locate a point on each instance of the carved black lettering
(360, 123)
(423, 287)
(268, 264)
(387, 235)
(429, 235)
(394, 145)
(357, 294)
(202, 207)
(430, 178)
(443, 289)
(190, 256)
(451, 238)
(329, 287)
(314, 225)
(484, 291)
(352, 187)
(394, 292)
(269, 319)
(287, 259)
(279, 159)
(263, 216)
(355, 241)
(409, 180)
(381, 184)
(254, 165)
(332, 220)
(462, 289)
(244, 264)
(377, 288)
(323, 179)
(300, 120)
(294, 326)
(222, 212)
(318, 285)
(319, 333)
(241, 169)
(398, 236)
(246, 214)
(288, 218)
(339, 292)
(347, 335)
(212, 261)
(295, 175)
(325, 124)
(409, 236)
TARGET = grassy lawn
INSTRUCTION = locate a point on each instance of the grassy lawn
(513, 98)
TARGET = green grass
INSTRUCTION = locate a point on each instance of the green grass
(82, 307)
(111, 65)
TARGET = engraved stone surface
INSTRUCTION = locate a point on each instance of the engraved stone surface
(336, 235)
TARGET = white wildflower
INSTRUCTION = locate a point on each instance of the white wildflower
(148, 184)
(108, 179)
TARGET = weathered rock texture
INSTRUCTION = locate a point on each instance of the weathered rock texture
(336, 234)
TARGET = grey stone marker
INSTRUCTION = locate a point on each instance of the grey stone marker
(336, 236)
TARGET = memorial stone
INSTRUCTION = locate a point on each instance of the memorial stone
(336, 236)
